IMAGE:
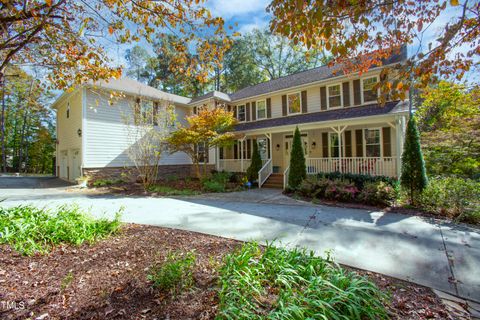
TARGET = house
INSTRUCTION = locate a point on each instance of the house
(343, 126)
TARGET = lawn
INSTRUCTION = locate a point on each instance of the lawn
(146, 272)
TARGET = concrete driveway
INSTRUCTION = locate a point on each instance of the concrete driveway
(439, 255)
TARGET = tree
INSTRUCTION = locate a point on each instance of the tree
(68, 36)
(255, 164)
(298, 169)
(138, 61)
(449, 124)
(209, 128)
(413, 178)
(359, 34)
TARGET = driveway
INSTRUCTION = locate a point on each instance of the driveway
(439, 255)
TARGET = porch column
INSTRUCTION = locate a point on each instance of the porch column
(339, 130)
(241, 155)
(400, 138)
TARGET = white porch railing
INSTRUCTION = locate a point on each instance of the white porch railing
(285, 178)
(265, 172)
(235, 165)
(375, 166)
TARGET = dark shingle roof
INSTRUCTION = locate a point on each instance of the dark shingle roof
(304, 77)
(344, 113)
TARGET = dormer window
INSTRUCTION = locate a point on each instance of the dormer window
(241, 115)
(68, 110)
(294, 103)
(334, 96)
(370, 93)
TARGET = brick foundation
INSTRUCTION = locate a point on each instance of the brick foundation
(129, 173)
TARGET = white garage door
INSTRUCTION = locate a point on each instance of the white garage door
(76, 172)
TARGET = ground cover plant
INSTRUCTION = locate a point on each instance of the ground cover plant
(32, 230)
(109, 280)
(106, 182)
(275, 283)
(171, 191)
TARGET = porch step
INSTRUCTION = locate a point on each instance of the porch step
(275, 181)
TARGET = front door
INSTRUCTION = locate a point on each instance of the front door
(64, 164)
(75, 165)
(287, 147)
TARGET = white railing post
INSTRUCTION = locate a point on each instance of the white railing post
(285, 178)
(265, 172)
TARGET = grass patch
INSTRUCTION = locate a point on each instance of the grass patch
(169, 191)
(274, 283)
(106, 182)
(175, 274)
(29, 230)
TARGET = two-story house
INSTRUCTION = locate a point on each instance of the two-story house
(343, 127)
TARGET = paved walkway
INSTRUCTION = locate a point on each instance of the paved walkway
(441, 256)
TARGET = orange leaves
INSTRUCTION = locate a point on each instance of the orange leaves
(454, 2)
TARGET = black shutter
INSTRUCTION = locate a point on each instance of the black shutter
(387, 142)
(323, 98)
(304, 102)
(359, 143)
(346, 94)
(254, 111)
(235, 111)
(325, 144)
(348, 143)
(269, 107)
(357, 98)
(284, 105)
(235, 151)
(249, 149)
(247, 110)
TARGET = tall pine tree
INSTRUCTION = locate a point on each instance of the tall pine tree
(414, 176)
(255, 165)
(298, 169)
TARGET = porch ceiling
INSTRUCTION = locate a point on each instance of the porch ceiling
(327, 117)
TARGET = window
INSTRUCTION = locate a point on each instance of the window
(261, 109)
(146, 111)
(68, 110)
(263, 148)
(369, 90)
(241, 113)
(136, 112)
(294, 104)
(334, 96)
(372, 142)
(202, 153)
(334, 145)
(170, 116)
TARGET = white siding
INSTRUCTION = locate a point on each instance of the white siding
(107, 136)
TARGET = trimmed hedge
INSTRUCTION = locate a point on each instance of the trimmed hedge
(359, 179)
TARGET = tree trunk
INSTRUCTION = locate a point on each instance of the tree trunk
(2, 124)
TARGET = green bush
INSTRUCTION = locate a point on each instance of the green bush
(341, 190)
(378, 193)
(359, 179)
(452, 197)
(274, 283)
(169, 191)
(29, 229)
(174, 274)
(213, 186)
(255, 165)
(106, 182)
(298, 169)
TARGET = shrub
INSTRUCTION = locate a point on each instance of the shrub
(359, 179)
(29, 229)
(174, 274)
(378, 193)
(275, 283)
(106, 182)
(341, 190)
(452, 197)
(169, 191)
(255, 165)
(414, 176)
(298, 169)
(213, 186)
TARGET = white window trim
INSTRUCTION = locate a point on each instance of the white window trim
(256, 109)
(288, 103)
(341, 96)
(330, 156)
(361, 88)
(365, 141)
(238, 113)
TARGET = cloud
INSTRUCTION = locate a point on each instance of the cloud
(257, 23)
(236, 8)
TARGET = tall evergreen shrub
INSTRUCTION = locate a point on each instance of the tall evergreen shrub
(255, 165)
(414, 177)
(298, 169)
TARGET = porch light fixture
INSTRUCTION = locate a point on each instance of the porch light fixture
(79, 132)
(314, 144)
(277, 147)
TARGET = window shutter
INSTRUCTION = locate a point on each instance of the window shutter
(254, 111)
(387, 142)
(229, 108)
(247, 110)
(348, 143)
(323, 98)
(235, 111)
(325, 144)
(284, 105)
(304, 102)
(359, 143)
(269, 107)
(346, 94)
(249, 149)
(357, 99)
(194, 110)
(235, 151)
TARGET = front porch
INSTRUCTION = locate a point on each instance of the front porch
(359, 148)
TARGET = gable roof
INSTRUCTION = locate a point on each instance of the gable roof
(330, 115)
(212, 94)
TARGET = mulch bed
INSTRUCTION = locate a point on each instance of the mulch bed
(108, 280)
